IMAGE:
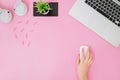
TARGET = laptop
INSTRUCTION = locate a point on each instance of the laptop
(101, 16)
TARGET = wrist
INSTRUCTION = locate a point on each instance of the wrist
(83, 78)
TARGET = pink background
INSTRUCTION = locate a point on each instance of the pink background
(45, 48)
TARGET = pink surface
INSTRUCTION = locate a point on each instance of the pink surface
(45, 48)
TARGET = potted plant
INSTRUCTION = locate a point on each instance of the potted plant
(43, 7)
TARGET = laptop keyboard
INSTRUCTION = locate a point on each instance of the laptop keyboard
(107, 8)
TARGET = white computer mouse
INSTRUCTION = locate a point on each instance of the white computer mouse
(20, 8)
(5, 15)
(85, 50)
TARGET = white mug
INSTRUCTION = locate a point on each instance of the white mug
(20, 8)
(5, 15)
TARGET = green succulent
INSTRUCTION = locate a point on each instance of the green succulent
(42, 6)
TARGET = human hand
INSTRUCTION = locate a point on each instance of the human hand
(83, 64)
